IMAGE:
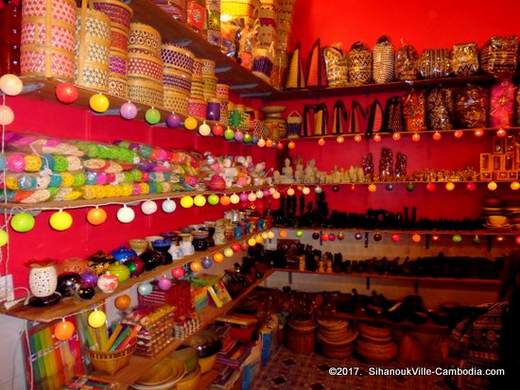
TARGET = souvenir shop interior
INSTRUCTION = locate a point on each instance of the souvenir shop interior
(259, 194)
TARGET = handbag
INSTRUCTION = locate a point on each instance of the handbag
(394, 119)
(414, 111)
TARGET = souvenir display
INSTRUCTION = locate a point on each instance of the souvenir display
(499, 56)
(336, 65)
(434, 63)
(47, 48)
(464, 59)
(359, 60)
(406, 63)
(501, 104)
(440, 109)
(471, 108)
(414, 111)
(383, 61)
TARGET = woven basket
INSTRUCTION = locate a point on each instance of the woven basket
(175, 102)
(119, 13)
(197, 68)
(336, 66)
(383, 61)
(435, 63)
(119, 40)
(197, 108)
(406, 62)
(111, 362)
(177, 80)
(208, 67)
(144, 37)
(499, 56)
(93, 36)
(48, 38)
(197, 89)
(359, 64)
(464, 59)
(222, 91)
(301, 337)
(145, 91)
(117, 85)
(177, 58)
(145, 66)
(118, 63)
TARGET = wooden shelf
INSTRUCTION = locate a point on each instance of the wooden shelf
(428, 327)
(404, 182)
(480, 232)
(411, 278)
(315, 138)
(139, 365)
(228, 71)
(72, 305)
(395, 86)
(128, 200)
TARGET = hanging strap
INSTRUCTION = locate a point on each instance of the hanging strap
(356, 115)
(375, 118)
(308, 109)
(339, 115)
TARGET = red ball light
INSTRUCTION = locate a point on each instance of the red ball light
(377, 138)
(67, 93)
(396, 136)
(218, 130)
(458, 133)
(236, 247)
(396, 237)
(358, 138)
(178, 272)
(279, 146)
(431, 187)
(416, 137)
(321, 141)
(437, 136)
(478, 132)
(353, 187)
(471, 186)
(517, 240)
(325, 237)
(501, 133)
(340, 139)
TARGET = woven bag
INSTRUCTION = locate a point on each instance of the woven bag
(383, 61)
(359, 64)
(414, 111)
(435, 63)
(336, 66)
(471, 108)
(406, 60)
(394, 120)
(499, 57)
(93, 37)
(48, 38)
(464, 59)
(440, 109)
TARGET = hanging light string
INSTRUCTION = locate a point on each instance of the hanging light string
(6, 213)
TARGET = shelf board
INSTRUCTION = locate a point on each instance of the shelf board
(394, 86)
(128, 200)
(286, 186)
(428, 327)
(419, 279)
(139, 365)
(228, 71)
(315, 138)
(72, 305)
(480, 232)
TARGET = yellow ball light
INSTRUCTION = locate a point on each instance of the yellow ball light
(261, 143)
(450, 186)
(265, 235)
(97, 319)
(190, 123)
(270, 234)
(218, 257)
(99, 102)
(259, 239)
(234, 199)
(251, 197)
(228, 252)
(515, 186)
(199, 200)
(187, 202)
(492, 186)
(416, 238)
(291, 145)
(290, 191)
(251, 242)
(60, 220)
(372, 187)
(4, 237)
(283, 233)
(196, 266)
(340, 139)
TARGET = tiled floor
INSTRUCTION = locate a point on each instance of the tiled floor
(289, 371)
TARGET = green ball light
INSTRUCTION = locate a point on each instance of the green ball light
(213, 199)
(229, 134)
(456, 238)
(299, 233)
(410, 187)
(152, 116)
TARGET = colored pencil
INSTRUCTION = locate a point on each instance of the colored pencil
(113, 337)
(124, 334)
(133, 335)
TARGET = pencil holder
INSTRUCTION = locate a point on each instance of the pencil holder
(111, 362)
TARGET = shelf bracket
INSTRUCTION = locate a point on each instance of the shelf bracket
(222, 69)
(238, 87)
(289, 277)
(255, 94)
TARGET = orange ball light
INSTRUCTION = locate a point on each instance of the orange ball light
(416, 137)
(96, 216)
(291, 145)
(458, 133)
(437, 136)
(396, 136)
(450, 186)
(515, 186)
(196, 266)
(372, 188)
(218, 257)
(358, 138)
(501, 133)
(225, 200)
(321, 141)
(376, 138)
(478, 132)
(64, 330)
(283, 233)
(416, 238)
(492, 186)
(340, 139)
(269, 143)
(122, 302)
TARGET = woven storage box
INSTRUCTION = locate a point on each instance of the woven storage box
(210, 87)
(93, 36)
(197, 108)
(175, 101)
(435, 63)
(48, 38)
(359, 64)
(145, 38)
(119, 40)
(300, 336)
(119, 13)
(177, 80)
(118, 63)
(383, 61)
(197, 68)
(197, 89)
(117, 85)
(464, 59)
(177, 58)
(499, 56)
(145, 66)
(208, 67)
(222, 91)
(175, 8)
(224, 113)
(145, 91)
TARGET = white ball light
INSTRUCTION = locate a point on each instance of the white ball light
(234, 199)
(251, 197)
(11, 84)
(204, 129)
(272, 190)
(169, 206)
(276, 195)
(318, 190)
(149, 207)
(306, 190)
(125, 214)
(259, 194)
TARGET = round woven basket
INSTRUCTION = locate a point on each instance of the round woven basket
(145, 91)
(197, 108)
(177, 58)
(48, 38)
(197, 68)
(117, 85)
(111, 362)
(222, 91)
(119, 40)
(145, 66)
(175, 102)
(93, 35)
(144, 37)
(177, 80)
(119, 13)
(208, 67)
